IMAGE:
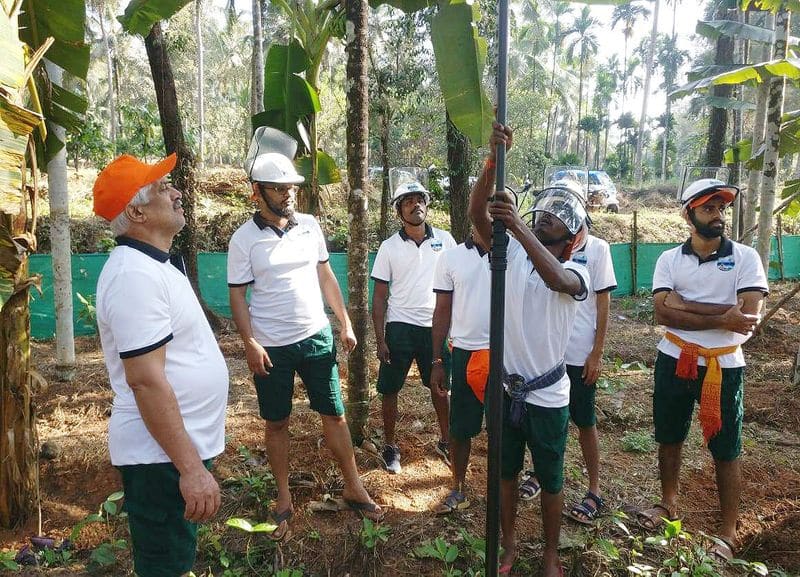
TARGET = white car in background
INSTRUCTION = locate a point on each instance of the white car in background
(602, 192)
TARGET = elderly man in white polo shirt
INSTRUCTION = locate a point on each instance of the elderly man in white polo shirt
(543, 288)
(708, 294)
(169, 378)
(281, 256)
(402, 313)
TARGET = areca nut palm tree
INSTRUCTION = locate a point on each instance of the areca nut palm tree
(581, 37)
(627, 15)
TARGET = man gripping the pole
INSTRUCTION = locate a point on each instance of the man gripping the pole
(542, 291)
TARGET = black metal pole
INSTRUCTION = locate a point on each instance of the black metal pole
(499, 262)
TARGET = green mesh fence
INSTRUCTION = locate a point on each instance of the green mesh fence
(212, 269)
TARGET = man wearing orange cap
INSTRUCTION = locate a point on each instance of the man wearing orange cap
(708, 294)
(169, 378)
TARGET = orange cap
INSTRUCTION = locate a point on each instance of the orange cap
(119, 182)
(725, 193)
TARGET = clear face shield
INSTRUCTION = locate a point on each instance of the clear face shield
(565, 205)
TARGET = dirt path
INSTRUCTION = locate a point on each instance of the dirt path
(74, 484)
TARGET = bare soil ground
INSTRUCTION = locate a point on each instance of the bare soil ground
(74, 484)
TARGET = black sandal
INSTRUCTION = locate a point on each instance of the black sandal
(584, 508)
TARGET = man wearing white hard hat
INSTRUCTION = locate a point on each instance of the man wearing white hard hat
(543, 290)
(707, 294)
(402, 313)
(280, 255)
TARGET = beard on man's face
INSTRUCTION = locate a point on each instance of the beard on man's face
(710, 230)
(279, 209)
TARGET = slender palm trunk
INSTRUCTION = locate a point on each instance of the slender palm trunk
(580, 106)
(357, 12)
(111, 100)
(638, 161)
(198, 31)
(772, 138)
(61, 246)
(257, 63)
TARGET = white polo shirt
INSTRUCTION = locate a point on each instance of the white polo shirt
(596, 257)
(719, 279)
(538, 322)
(285, 297)
(144, 303)
(464, 273)
(408, 269)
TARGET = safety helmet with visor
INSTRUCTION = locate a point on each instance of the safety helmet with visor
(701, 190)
(563, 200)
(408, 189)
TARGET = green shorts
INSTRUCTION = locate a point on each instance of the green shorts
(544, 431)
(164, 543)
(466, 411)
(674, 400)
(409, 343)
(314, 359)
(581, 399)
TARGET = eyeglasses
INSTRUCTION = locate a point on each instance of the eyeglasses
(281, 189)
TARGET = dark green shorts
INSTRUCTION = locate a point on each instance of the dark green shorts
(314, 359)
(544, 431)
(581, 399)
(164, 543)
(674, 400)
(409, 343)
(466, 411)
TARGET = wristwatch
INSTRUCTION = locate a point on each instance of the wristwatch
(438, 361)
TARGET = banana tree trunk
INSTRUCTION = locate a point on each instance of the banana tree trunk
(61, 247)
(357, 13)
(651, 48)
(458, 161)
(772, 138)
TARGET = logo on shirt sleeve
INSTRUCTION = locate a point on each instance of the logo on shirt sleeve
(580, 258)
(726, 263)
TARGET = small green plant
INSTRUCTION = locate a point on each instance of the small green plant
(110, 513)
(288, 572)
(7, 561)
(685, 556)
(441, 550)
(258, 486)
(638, 442)
(87, 313)
(373, 533)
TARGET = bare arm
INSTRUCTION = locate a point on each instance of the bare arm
(258, 360)
(380, 296)
(485, 185)
(442, 314)
(733, 319)
(333, 296)
(159, 409)
(594, 362)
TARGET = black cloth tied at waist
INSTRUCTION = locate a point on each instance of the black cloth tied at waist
(518, 389)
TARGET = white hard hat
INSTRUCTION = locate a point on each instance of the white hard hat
(274, 167)
(708, 187)
(563, 200)
(409, 188)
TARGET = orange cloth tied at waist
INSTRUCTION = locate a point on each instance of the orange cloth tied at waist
(710, 414)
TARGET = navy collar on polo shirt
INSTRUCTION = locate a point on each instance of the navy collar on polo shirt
(725, 249)
(147, 249)
(428, 234)
(262, 223)
(470, 243)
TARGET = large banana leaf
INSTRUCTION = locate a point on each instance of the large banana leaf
(728, 103)
(788, 143)
(771, 5)
(140, 15)
(713, 29)
(12, 64)
(288, 98)
(790, 187)
(404, 5)
(16, 125)
(460, 58)
(788, 67)
(64, 20)
(327, 171)
(739, 152)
